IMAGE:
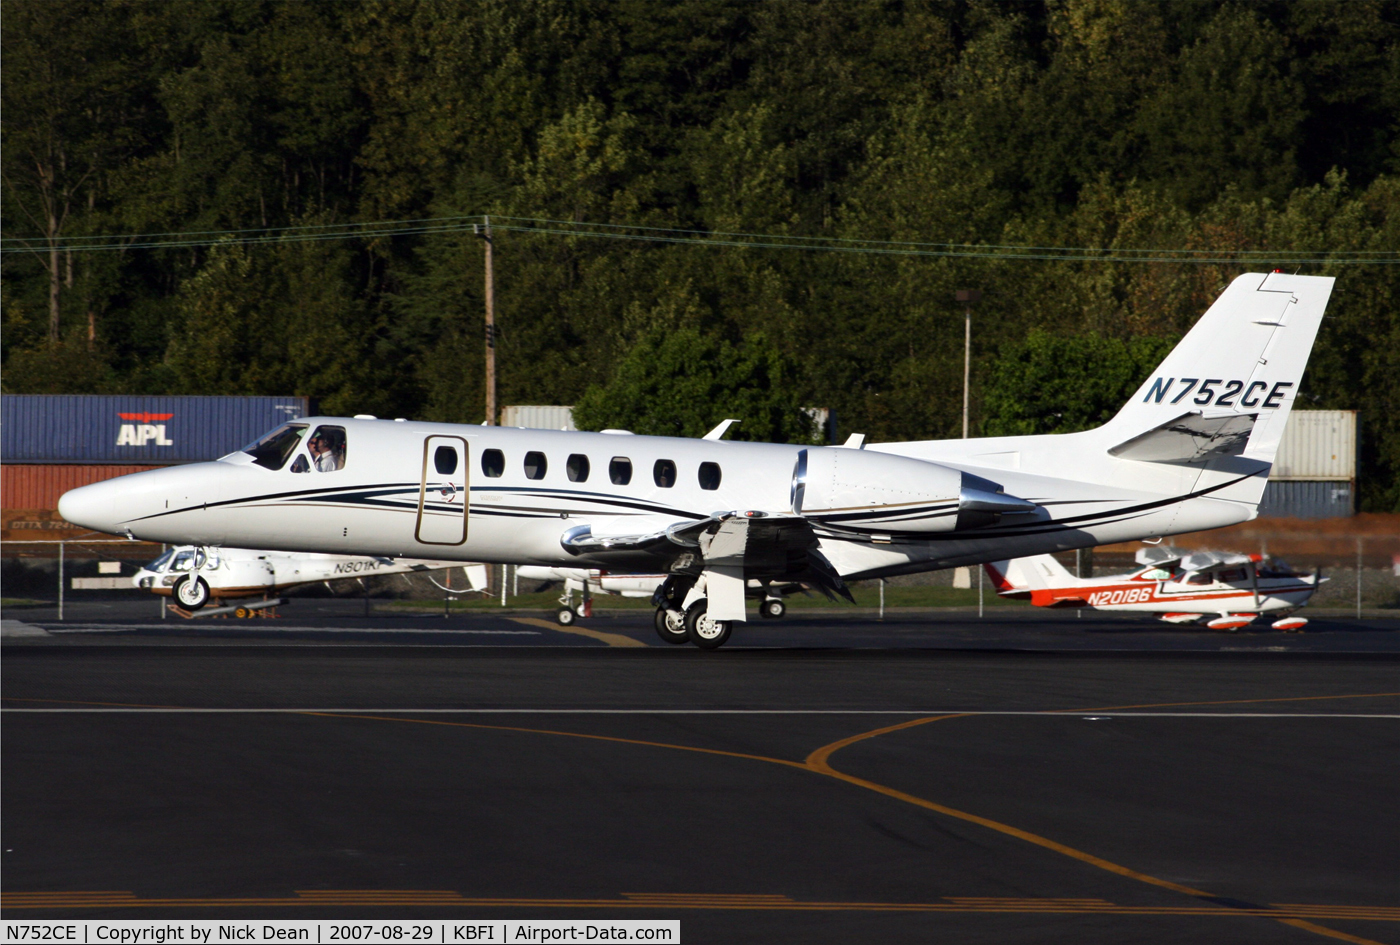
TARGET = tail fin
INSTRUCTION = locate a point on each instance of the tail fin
(1228, 387)
(1036, 573)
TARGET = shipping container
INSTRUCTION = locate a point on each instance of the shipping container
(538, 418)
(37, 428)
(34, 486)
(1316, 445)
(1296, 498)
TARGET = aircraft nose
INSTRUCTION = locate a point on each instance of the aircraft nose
(137, 505)
(93, 506)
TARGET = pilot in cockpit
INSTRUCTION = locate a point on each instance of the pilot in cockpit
(327, 448)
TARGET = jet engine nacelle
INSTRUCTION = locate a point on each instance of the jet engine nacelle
(879, 491)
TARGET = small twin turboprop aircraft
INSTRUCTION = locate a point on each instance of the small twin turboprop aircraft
(1191, 450)
(193, 575)
(1225, 591)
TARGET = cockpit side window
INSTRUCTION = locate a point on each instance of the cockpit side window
(184, 560)
(159, 564)
(273, 449)
(327, 448)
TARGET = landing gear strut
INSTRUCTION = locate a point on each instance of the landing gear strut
(568, 613)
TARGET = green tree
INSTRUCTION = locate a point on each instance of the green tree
(683, 383)
(1063, 384)
(277, 320)
(75, 102)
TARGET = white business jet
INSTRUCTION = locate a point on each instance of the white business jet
(195, 575)
(1191, 450)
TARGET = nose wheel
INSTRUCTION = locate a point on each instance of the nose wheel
(192, 592)
(703, 630)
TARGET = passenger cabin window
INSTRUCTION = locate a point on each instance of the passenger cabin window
(577, 468)
(709, 476)
(1234, 574)
(273, 450)
(493, 463)
(445, 460)
(535, 465)
(664, 472)
(327, 448)
(1200, 579)
(620, 470)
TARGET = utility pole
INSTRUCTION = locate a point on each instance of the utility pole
(967, 297)
(485, 233)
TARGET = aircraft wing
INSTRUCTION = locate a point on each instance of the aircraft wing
(758, 545)
(1190, 438)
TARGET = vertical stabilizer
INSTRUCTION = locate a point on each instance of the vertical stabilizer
(1244, 358)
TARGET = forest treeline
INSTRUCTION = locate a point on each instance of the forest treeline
(1197, 130)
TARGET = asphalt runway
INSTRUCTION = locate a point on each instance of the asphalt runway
(1024, 778)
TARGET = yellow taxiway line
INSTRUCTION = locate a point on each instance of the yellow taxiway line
(611, 639)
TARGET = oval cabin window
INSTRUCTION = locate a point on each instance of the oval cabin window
(664, 472)
(709, 476)
(445, 460)
(620, 470)
(535, 465)
(493, 463)
(577, 468)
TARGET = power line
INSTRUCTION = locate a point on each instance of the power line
(429, 226)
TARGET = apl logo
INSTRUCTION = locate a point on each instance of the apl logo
(143, 429)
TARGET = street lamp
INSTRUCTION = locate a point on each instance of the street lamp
(967, 297)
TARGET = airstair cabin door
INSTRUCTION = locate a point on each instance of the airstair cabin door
(442, 492)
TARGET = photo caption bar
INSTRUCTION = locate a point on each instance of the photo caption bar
(333, 932)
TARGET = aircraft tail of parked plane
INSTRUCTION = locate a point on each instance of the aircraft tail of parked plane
(1191, 450)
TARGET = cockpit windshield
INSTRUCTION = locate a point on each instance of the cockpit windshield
(273, 449)
(159, 564)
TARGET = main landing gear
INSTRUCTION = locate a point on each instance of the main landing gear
(703, 630)
(670, 626)
(677, 623)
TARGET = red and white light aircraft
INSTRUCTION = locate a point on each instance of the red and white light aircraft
(1225, 591)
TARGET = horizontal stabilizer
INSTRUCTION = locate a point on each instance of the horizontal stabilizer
(1190, 438)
